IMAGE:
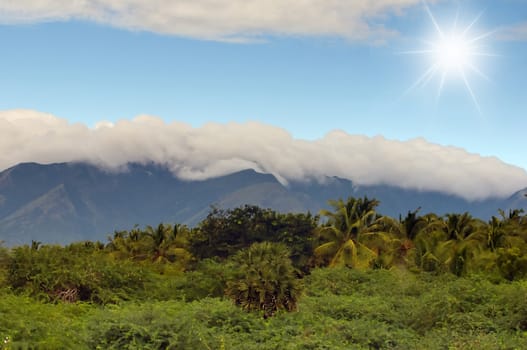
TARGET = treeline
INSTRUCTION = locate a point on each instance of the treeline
(268, 262)
(352, 234)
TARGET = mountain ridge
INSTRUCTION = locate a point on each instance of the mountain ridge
(63, 202)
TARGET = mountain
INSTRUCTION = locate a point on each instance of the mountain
(75, 201)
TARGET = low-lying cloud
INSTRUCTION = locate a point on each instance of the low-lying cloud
(218, 149)
(226, 20)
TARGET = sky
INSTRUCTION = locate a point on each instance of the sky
(312, 68)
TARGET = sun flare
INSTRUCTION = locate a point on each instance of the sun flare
(453, 54)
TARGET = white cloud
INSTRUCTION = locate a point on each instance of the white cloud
(517, 32)
(218, 149)
(228, 20)
(103, 124)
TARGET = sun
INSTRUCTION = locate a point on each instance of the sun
(452, 53)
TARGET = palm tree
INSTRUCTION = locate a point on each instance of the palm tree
(163, 243)
(128, 244)
(403, 233)
(515, 226)
(460, 226)
(493, 235)
(351, 240)
(426, 243)
(264, 279)
(461, 244)
(117, 245)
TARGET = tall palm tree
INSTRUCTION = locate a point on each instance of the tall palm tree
(461, 244)
(160, 240)
(166, 244)
(349, 235)
(403, 232)
(493, 235)
(426, 242)
(129, 244)
(460, 226)
(515, 225)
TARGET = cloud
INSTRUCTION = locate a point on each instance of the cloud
(516, 32)
(218, 149)
(226, 20)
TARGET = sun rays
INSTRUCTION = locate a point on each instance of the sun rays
(453, 53)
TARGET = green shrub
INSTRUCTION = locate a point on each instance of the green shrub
(264, 279)
(169, 325)
(29, 324)
(512, 263)
(54, 273)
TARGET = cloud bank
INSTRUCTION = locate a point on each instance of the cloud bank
(226, 20)
(219, 149)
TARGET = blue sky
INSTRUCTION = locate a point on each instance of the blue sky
(309, 79)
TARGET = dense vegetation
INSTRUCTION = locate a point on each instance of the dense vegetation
(252, 278)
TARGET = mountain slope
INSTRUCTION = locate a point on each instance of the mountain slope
(73, 201)
(52, 213)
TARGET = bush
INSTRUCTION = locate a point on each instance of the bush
(208, 280)
(28, 324)
(264, 279)
(169, 325)
(55, 273)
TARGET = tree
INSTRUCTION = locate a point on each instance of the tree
(127, 244)
(403, 232)
(448, 244)
(264, 279)
(504, 243)
(349, 233)
(225, 232)
(165, 245)
(296, 231)
(160, 245)
(511, 263)
(460, 226)
(426, 242)
(515, 227)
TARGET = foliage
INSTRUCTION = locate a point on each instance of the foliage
(4, 260)
(350, 235)
(163, 245)
(224, 232)
(79, 272)
(342, 309)
(208, 279)
(450, 282)
(29, 324)
(264, 279)
(512, 263)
